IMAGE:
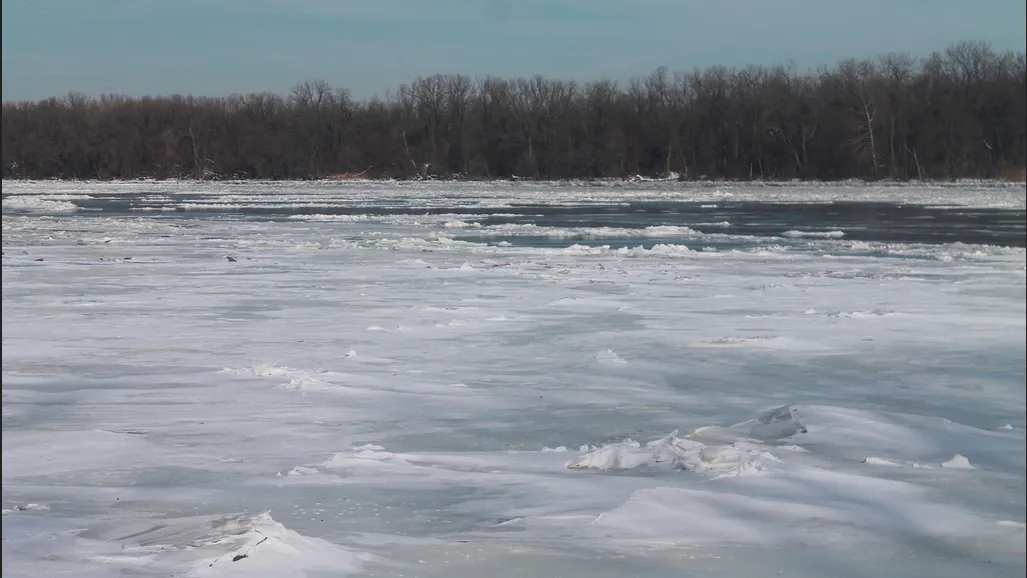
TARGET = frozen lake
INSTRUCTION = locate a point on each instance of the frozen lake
(513, 379)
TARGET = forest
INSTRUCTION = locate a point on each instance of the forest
(958, 113)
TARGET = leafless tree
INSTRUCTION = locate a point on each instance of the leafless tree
(957, 113)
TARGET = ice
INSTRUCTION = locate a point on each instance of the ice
(621, 456)
(609, 357)
(26, 508)
(671, 231)
(658, 250)
(775, 424)
(458, 224)
(679, 453)
(49, 453)
(814, 234)
(755, 513)
(460, 379)
(41, 203)
(231, 545)
(957, 462)
(874, 461)
(579, 233)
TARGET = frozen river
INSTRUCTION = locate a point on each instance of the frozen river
(513, 379)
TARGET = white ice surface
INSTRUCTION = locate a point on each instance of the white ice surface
(362, 394)
(233, 194)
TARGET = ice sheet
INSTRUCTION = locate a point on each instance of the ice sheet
(372, 392)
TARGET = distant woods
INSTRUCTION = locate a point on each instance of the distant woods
(961, 113)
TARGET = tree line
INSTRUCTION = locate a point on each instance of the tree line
(959, 113)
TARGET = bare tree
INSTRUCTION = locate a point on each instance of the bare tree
(957, 113)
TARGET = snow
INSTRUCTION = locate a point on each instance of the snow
(376, 393)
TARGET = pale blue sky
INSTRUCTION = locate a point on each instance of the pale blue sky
(217, 47)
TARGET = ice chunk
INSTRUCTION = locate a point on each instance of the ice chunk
(608, 357)
(38, 204)
(872, 461)
(671, 231)
(458, 224)
(678, 453)
(26, 508)
(779, 423)
(814, 234)
(621, 456)
(957, 462)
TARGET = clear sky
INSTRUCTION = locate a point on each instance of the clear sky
(218, 47)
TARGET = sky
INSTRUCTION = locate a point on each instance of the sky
(220, 47)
